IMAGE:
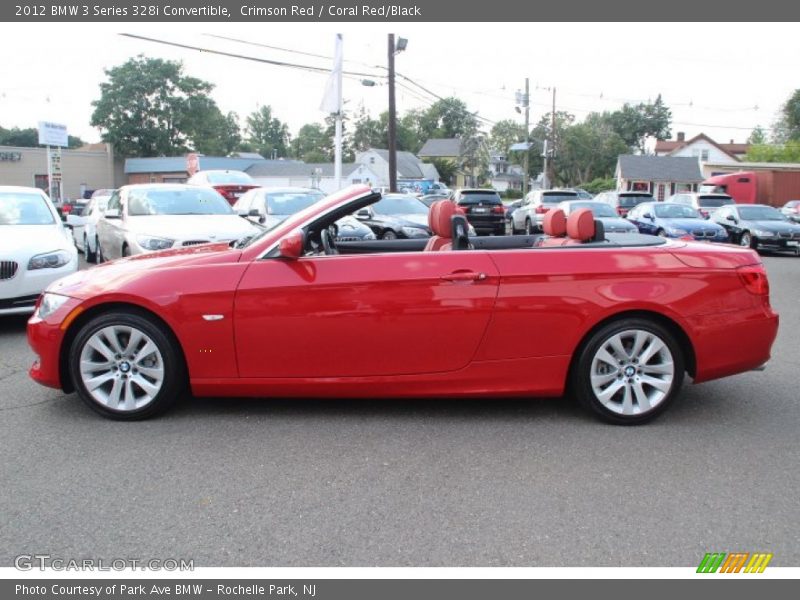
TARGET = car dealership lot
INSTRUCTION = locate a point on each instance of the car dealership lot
(408, 483)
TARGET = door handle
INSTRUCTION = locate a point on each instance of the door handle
(464, 276)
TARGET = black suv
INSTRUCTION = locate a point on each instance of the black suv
(484, 209)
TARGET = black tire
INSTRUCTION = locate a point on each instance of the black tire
(126, 251)
(174, 379)
(661, 233)
(746, 240)
(581, 383)
(528, 227)
(91, 257)
(100, 258)
(389, 235)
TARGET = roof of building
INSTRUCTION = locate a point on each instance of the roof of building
(670, 146)
(408, 165)
(682, 169)
(442, 147)
(177, 164)
(292, 168)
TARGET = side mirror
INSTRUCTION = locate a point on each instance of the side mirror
(253, 213)
(291, 246)
(363, 214)
(731, 218)
(111, 213)
(648, 216)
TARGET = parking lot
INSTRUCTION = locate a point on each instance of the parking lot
(274, 482)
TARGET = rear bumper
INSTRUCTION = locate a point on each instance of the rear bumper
(731, 343)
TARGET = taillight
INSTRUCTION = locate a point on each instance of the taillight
(541, 209)
(704, 213)
(621, 211)
(66, 208)
(499, 210)
(754, 279)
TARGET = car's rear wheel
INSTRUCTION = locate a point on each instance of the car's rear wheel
(629, 371)
(100, 257)
(87, 252)
(126, 251)
(125, 367)
(528, 227)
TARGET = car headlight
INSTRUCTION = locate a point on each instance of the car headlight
(49, 304)
(677, 231)
(154, 243)
(49, 260)
(762, 233)
(414, 232)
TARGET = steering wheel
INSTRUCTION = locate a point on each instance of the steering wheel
(328, 243)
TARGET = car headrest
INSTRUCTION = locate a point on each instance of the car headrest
(580, 225)
(439, 218)
(555, 223)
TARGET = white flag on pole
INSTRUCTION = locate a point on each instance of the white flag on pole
(332, 101)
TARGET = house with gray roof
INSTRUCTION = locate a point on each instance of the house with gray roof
(661, 176)
(463, 154)
(175, 169)
(290, 173)
(411, 171)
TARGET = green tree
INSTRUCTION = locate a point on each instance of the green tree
(589, 150)
(29, 138)
(145, 108)
(208, 131)
(368, 132)
(312, 144)
(446, 168)
(788, 152)
(634, 124)
(504, 134)
(448, 118)
(757, 136)
(787, 125)
(267, 134)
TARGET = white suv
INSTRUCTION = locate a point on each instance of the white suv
(530, 214)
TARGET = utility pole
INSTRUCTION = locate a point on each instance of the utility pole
(527, 101)
(392, 120)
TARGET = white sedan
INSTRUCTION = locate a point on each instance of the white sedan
(156, 216)
(84, 226)
(35, 248)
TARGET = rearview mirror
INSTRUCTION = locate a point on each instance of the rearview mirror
(291, 246)
(111, 213)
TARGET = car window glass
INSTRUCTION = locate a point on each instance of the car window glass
(22, 208)
(114, 202)
(176, 201)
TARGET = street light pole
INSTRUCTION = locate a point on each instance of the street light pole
(392, 120)
(527, 101)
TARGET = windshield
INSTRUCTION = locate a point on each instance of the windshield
(229, 177)
(288, 203)
(556, 197)
(675, 211)
(630, 200)
(599, 209)
(714, 201)
(20, 208)
(478, 197)
(760, 213)
(400, 205)
(177, 201)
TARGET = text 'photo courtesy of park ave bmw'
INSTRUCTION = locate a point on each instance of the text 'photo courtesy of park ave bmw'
(598, 259)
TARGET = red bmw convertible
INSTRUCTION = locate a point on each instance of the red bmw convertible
(617, 320)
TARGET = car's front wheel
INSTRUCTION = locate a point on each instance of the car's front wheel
(126, 367)
(389, 235)
(746, 240)
(629, 371)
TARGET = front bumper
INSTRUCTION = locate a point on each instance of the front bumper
(45, 337)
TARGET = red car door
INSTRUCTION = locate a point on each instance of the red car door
(362, 315)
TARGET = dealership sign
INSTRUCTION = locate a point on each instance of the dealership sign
(53, 134)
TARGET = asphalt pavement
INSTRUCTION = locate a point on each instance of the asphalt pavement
(278, 482)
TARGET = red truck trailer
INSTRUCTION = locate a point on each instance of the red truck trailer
(769, 186)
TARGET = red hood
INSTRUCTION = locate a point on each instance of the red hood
(111, 276)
